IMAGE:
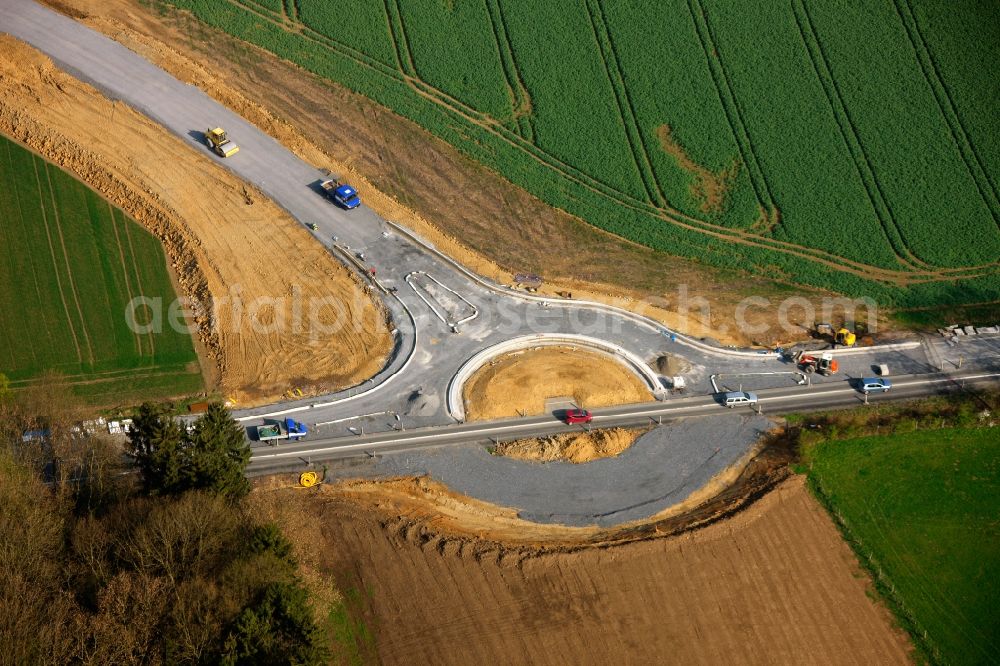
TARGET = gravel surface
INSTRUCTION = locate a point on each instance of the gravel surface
(663, 467)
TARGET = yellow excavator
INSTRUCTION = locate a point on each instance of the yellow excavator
(220, 144)
(845, 337)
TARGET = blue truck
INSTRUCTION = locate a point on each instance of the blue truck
(342, 194)
(272, 430)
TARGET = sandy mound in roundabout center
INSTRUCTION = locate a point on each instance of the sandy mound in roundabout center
(519, 383)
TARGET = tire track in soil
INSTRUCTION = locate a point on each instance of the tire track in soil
(69, 268)
(125, 273)
(138, 281)
(515, 84)
(949, 110)
(669, 215)
(55, 265)
(626, 113)
(730, 105)
(848, 133)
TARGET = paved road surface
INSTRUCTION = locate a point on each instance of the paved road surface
(414, 382)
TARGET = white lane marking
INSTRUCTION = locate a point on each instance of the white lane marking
(603, 417)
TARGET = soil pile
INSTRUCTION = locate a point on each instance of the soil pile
(520, 382)
(229, 247)
(576, 447)
(671, 365)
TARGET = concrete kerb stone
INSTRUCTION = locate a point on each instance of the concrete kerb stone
(456, 405)
(621, 312)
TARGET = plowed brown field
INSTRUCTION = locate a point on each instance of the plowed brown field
(774, 584)
(221, 238)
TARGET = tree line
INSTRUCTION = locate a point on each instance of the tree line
(153, 557)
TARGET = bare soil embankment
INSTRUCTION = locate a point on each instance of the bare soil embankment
(409, 176)
(574, 447)
(520, 382)
(223, 240)
(773, 583)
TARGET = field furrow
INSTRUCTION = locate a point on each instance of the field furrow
(730, 104)
(847, 132)
(613, 71)
(55, 264)
(973, 162)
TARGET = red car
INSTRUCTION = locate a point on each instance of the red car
(578, 416)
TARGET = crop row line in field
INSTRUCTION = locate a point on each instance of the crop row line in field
(128, 283)
(292, 10)
(848, 133)
(730, 105)
(404, 56)
(263, 9)
(677, 218)
(946, 105)
(55, 271)
(626, 112)
(135, 269)
(31, 256)
(69, 267)
(521, 98)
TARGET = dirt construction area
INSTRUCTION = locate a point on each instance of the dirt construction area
(521, 382)
(773, 584)
(575, 447)
(229, 247)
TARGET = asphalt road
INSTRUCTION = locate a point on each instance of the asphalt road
(771, 402)
(429, 352)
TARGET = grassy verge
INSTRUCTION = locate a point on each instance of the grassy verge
(919, 506)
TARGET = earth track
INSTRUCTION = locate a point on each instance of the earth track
(848, 132)
(52, 253)
(669, 215)
(69, 268)
(128, 282)
(987, 188)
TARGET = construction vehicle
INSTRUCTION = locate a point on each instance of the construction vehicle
(272, 431)
(842, 336)
(342, 194)
(845, 338)
(823, 364)
(220, 144)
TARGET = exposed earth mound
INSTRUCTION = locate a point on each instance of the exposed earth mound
(521, 382)
(227, 245)
(576, 447)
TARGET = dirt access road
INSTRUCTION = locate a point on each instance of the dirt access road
(774, 584)
(222, 238)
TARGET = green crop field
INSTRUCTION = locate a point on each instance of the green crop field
(835, 143)
(922, 510)
(71, 264)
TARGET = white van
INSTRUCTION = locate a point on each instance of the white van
(739, 399)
